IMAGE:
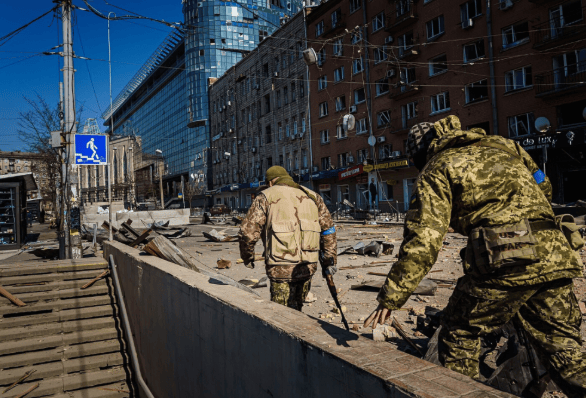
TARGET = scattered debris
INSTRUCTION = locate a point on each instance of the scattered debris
(237, 220)
(97, 278)
(23, 378)
(427, 287)
(262, 283)
(223, 264)
(374, 248)
(215, 236)
(310, 298)
(12, 298)
(383, 333)
(582, 307)
(165, 249)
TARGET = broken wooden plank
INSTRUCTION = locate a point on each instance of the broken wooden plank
(426, 287)
(106, 226)
(12, 298)
(23, 378)
(28, 391)
(142, 237)
(370, 265)
(399, 329)
(128, 228)
(378, 273)
(97, 278)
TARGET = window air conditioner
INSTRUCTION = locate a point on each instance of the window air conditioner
(391, 73)
(229, 103)
(389, 39)
(276, 74)
(506, 4)
(467, 24)
(315, 169)
(253, 149)
(239, 142)
(353, 109)
(350, 159)
(380, 139)
(230, 130)
(395, 154)
(256, 86)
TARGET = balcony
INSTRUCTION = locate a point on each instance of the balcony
(561, 80)
(405, 14)
(554, 33)
(403, 90)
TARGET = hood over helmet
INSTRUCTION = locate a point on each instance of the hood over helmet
(449, 134)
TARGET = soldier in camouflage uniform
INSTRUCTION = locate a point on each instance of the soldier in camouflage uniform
(297, 231)
(518, 265)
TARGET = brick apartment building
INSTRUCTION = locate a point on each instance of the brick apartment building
(496, 65)
(259, 116)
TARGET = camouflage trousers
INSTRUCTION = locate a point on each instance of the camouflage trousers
(290, 294)
(548, 313)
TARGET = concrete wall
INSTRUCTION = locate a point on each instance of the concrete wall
(175, 217)
(199, 339)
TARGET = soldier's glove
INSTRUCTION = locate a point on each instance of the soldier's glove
(331, 270)
(250, 265)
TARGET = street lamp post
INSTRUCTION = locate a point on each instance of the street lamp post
(111, 132)
(161, 168)
(131, 174)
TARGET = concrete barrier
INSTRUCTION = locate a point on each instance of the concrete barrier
(175, 217)
(200, 339)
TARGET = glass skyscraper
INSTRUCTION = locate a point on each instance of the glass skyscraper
(218, 34)
(166, 102)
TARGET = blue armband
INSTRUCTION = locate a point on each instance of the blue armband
(539, 176)
(328, 231)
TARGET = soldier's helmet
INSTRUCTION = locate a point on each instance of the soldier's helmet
(419, 138)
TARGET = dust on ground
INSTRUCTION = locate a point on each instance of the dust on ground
(358, 303)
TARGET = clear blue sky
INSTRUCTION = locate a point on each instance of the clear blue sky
(132, 43)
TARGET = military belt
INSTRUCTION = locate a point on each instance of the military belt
(542, 225)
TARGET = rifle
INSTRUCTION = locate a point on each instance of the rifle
(334, 293)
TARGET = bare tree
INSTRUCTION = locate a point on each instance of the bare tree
(192, 189)
(34, 128)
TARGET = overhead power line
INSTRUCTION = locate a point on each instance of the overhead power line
(4, 39)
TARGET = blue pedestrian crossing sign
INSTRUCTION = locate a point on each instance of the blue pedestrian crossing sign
(91, 149)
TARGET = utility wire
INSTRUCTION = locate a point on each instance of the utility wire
(4, 39)
(88, 69)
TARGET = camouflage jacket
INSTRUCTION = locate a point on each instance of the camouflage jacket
(465, 185)
(254, 227)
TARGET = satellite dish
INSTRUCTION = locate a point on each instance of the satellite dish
(542, 124)
(348, 122)
(371, 140)
(309, 56)
(584, 113)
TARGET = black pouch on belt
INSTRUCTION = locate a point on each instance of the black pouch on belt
(495, 248)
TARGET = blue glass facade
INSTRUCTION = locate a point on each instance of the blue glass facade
(217, 35)
(161, 122)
